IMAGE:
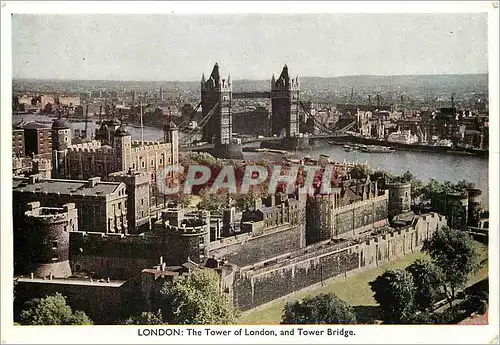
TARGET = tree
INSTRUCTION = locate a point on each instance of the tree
(320, 309)
(213, 202)
(52, 310)
(196, 298)
(394, 292)
(427, 281)
(454, 252)
(145, 318)
(48, 108)
(359, 172)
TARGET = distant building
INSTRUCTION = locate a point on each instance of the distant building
(37, 138)
(69, 101)
(46, 99)
(26, 100)
(18, 149)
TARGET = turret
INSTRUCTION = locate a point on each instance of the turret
(45, 240)
(123, 146)
(285, 105)
(61, 140)
(171, 136)
(216, 97)
(183, 238)
(399, 197)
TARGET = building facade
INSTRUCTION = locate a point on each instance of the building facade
(102, 205)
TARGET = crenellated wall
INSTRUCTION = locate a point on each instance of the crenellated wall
(246, 249)
(264, 282)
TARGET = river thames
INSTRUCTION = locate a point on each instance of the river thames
(424, 165)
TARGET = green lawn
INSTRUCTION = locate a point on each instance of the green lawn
(354, 290)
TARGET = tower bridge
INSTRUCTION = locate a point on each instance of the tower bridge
(215, 130)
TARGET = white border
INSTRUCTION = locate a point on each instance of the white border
(365, 334)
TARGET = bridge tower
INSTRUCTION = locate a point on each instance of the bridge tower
(285, 105)
(217, 93)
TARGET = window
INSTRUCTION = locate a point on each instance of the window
(78, 267)
(54, 244)
(119, 205)
(152, 163)
(161, 161)
(133, 165)
(142, 202)
(143, 164)
(55, 257)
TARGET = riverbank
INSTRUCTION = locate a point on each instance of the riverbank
(460, 151)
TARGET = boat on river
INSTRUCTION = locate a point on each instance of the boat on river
(377, 149)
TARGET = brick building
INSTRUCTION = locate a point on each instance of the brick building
(18, 149)
(37, 138)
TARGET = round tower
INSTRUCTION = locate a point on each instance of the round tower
(46, 239)
(457, 205)
(171, 136)
(475, 206)
(184, 238)
(61, 140)
(399, 197)
(320, 220)
(61, 134)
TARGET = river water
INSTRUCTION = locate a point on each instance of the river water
(424, 165)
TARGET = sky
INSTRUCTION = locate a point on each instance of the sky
(183, 46)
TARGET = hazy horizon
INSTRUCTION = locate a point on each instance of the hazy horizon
(248, 79)
(249, 47)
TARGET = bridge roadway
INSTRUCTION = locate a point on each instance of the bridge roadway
(256, 140)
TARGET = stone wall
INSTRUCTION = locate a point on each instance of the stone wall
(365, 215)
(246, 249)
(264, 282)
(103, 302)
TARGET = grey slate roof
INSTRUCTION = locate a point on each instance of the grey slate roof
(74, 187)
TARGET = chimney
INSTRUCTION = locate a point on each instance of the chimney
(34, 179)
(93, 181)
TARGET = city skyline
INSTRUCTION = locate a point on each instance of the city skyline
(326, 45)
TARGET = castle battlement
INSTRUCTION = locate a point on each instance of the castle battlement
(138, 147)
(50, 214)
(408, 229)
(131, 177)
(308, 255)
(90, 144)
(100, 237)
(183, 229)
(362, 203)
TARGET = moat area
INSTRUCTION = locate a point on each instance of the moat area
(353, 289)
(423, 165)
